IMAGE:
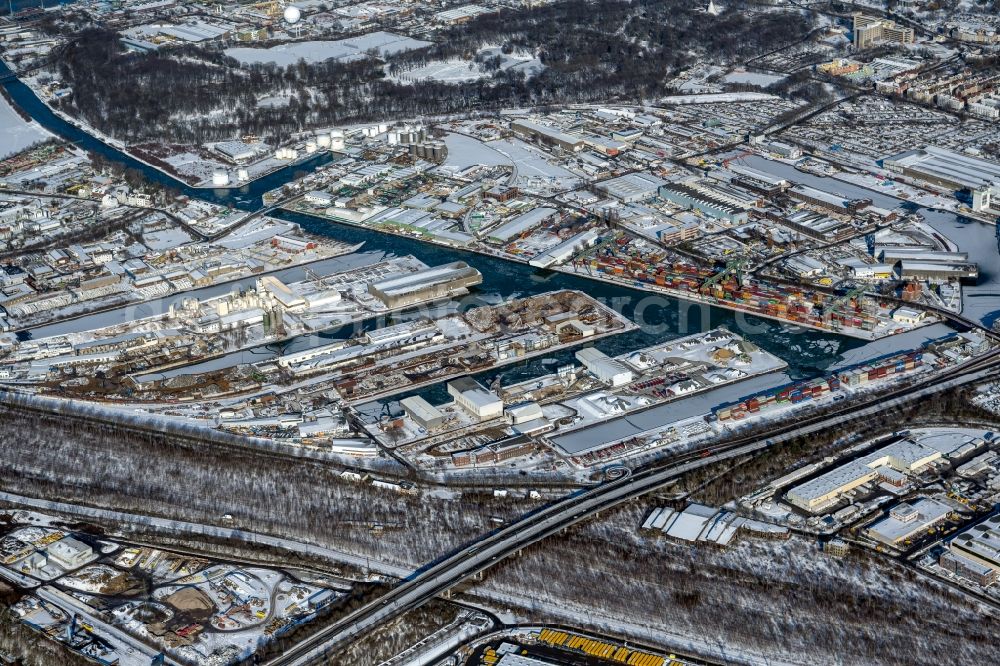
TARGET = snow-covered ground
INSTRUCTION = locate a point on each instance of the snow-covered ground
(384, 43)
(753, 78)
(458, 70)
(16, 133)
(176, 527)
(533, 170)
(466, 151)
(712, 98)
(446, 71)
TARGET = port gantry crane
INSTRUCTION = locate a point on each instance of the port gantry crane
(853, 291)
(608, 239)
(735, 266)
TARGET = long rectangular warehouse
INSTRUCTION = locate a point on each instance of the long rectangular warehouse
(522, 223)
(947, 168)
(404, 289)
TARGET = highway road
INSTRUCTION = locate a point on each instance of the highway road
(492, 548)
(425, 584)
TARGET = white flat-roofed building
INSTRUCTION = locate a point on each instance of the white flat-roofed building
(307, 355)
(238, 151)
(632, 188)
(805, 266)
(929, 270)
(522, 223)
(422, 412)
(461, 14)
(606, 369)
(786, 150)
(70, 553)
(360, 448)
(894, 254)
(687, 525)
(757, 178)
(980, 543)
(910, 316)
(321, 299)
(475, 398)
(872, 271)
(686, 196)
(277, 290)
(552, 136)
(817, 226)
(824, 199)
(566, 249)
(951, 170)
(337, 353)
(907, 520)
(318, 198)
(969, 569)
(389, 335)
(403, 289)
(523, 412)
(826, 490)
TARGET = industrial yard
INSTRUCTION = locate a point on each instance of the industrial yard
(585, 332)
(665, 231)
(138, 354)
(408, 355)
(516, 424)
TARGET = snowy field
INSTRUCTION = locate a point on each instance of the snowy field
(446, 71)
(532, 164)
(753, 78)
(458, 70)
(17, 134)
(384, 43)
(713, 98)
(466, 151)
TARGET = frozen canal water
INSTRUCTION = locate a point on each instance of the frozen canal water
(807, 352)
(982, 300)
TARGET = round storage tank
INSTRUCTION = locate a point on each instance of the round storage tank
(220, 178)
(323, 140)
(310, 147)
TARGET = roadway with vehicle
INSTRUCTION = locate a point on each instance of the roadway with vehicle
(476, 557)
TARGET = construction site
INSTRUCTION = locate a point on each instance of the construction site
(119, 604)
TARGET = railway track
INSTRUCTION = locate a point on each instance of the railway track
(449, 571)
